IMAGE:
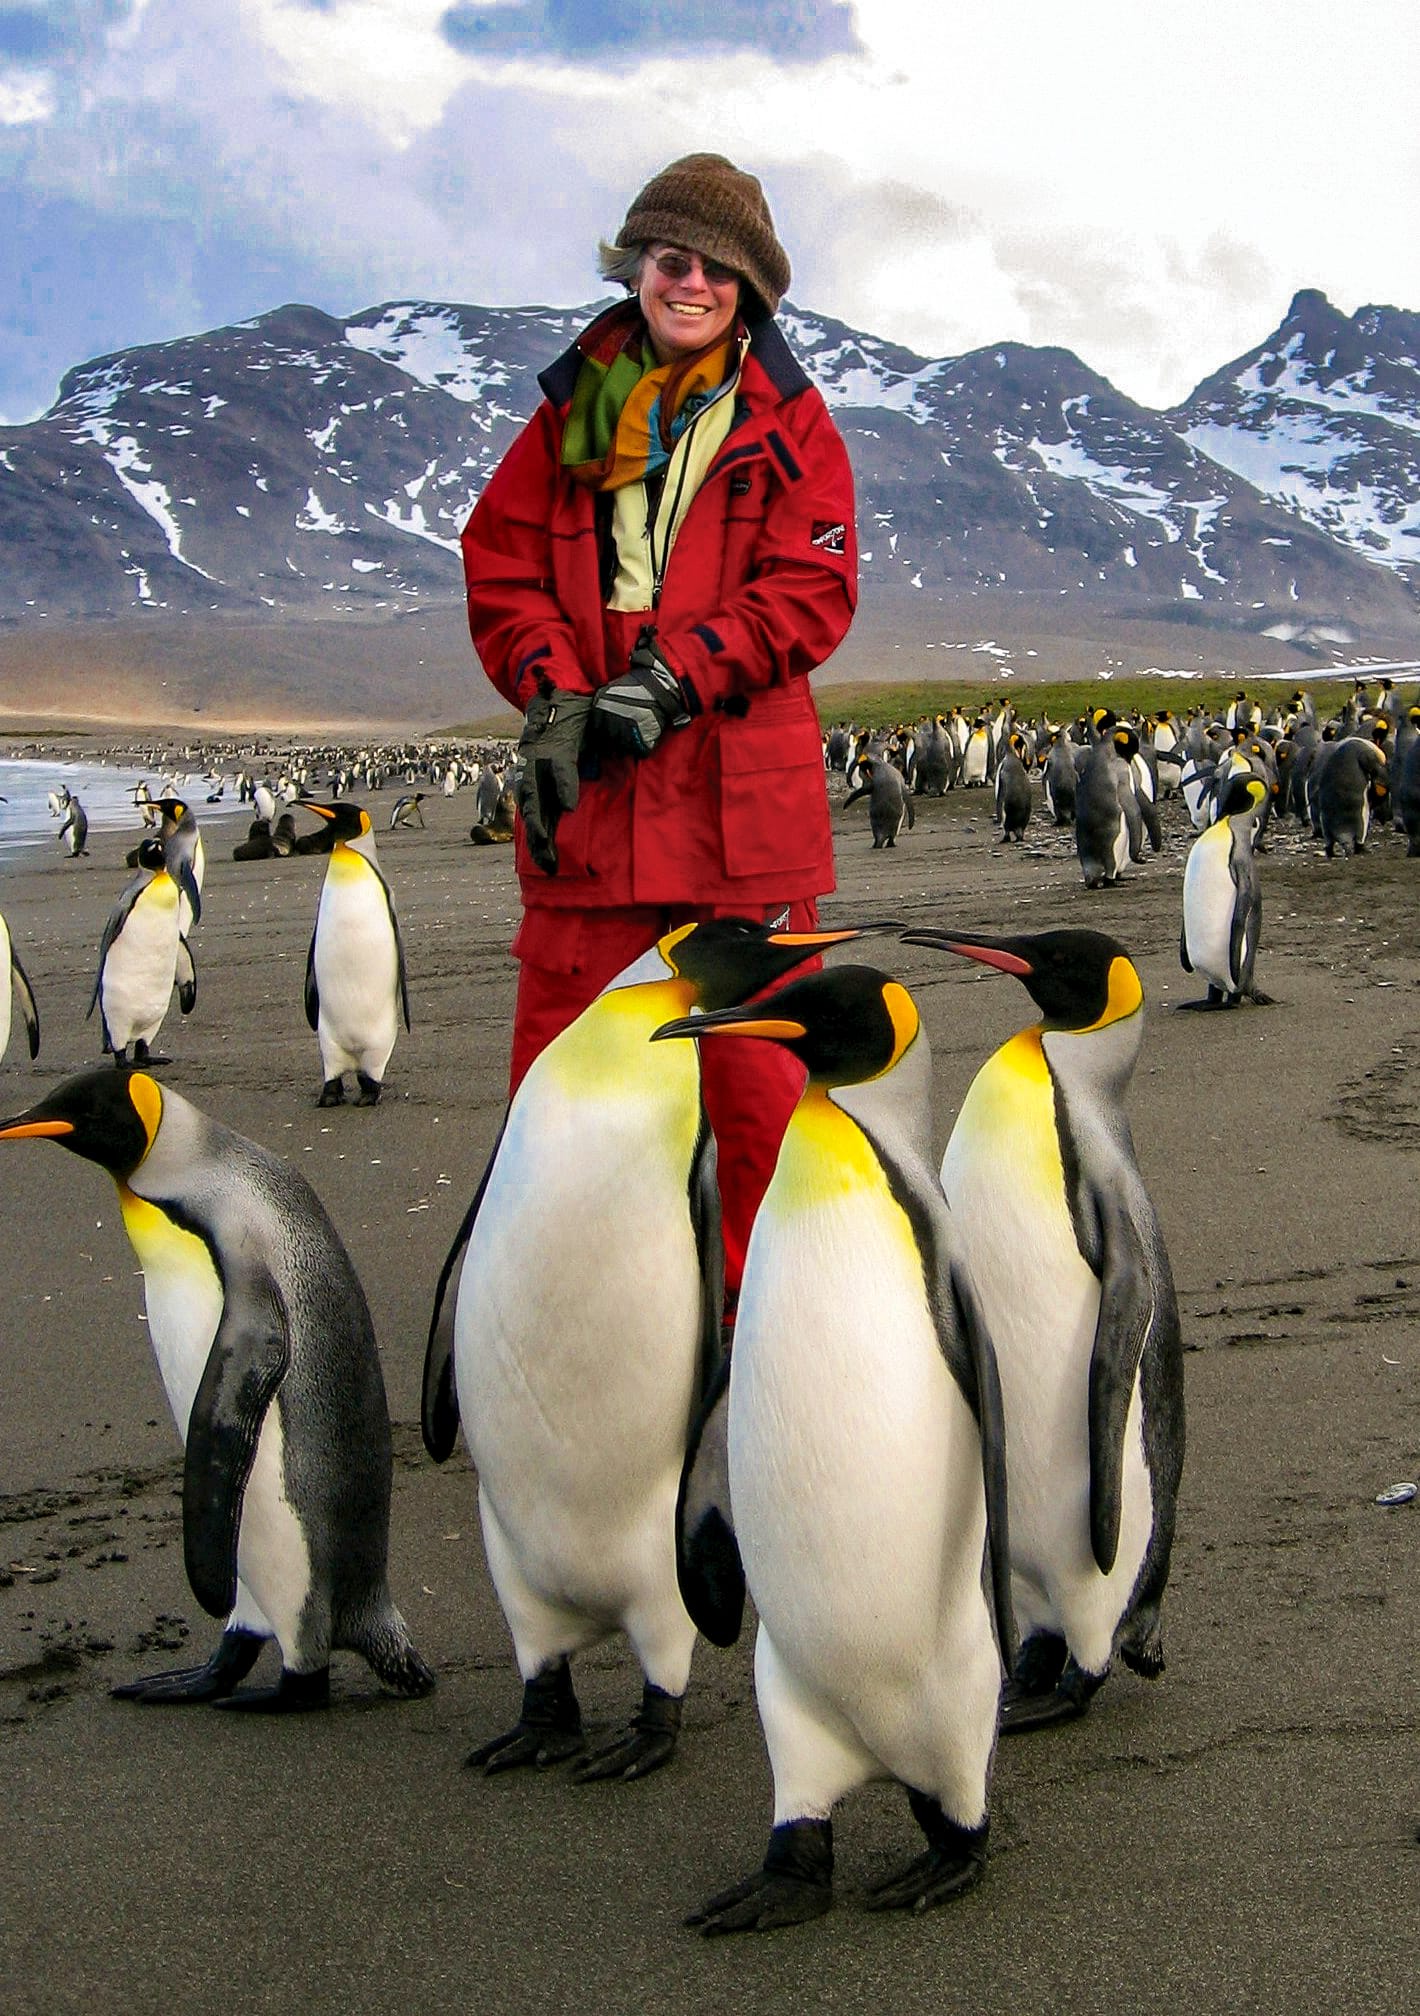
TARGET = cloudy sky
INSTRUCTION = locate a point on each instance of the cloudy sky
(1146, 182)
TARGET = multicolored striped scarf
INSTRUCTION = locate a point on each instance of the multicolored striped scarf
(628, 411)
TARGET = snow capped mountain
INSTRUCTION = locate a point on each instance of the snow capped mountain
(1324, 419)
(302, 464)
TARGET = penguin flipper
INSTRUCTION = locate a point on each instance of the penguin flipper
(185, 876)
(312, 992)
(1242, 938)
(439, 1409)
(186, 976)
(708, 1568)
(245, 1366)
(28, 1009)
(1126, 1318)
(398, 948)
(991, 1419)
(1183, 959)
(710, 1249)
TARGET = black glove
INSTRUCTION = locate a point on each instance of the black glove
(546, 785)
(631, 713)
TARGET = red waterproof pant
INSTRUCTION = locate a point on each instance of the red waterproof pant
(751, 1087)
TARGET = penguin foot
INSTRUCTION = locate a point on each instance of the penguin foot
(332, 1093)
(1064, 1702)
(548, 1730)
(369, 1093)
(794, 1885)
(955, 1861)
(647, 1745)
(237, 1652)
(293, 1694)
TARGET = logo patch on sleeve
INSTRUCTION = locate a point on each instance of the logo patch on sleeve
(831, 538)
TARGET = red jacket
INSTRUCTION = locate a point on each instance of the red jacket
(760, 588)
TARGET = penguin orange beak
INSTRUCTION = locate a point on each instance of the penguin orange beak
(35, 1130)
(843, 935)
(734, 1022)
(321, 811)
(986, 951)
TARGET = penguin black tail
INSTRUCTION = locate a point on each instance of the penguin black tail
(387, 1645)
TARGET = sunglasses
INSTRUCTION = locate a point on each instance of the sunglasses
(676, 265)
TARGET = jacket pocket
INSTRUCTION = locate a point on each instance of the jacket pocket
(773, 797)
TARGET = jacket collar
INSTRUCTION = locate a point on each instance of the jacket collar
(767, 349)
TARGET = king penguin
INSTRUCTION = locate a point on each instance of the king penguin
(185, 857)
(267, 1353)
(1041, 1163)
(15, 986)
(576, 1328)
(355, 979)
(1222, 900)
(142, 957)
(866, 1466)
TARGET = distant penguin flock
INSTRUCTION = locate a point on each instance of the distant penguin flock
(947, 1482)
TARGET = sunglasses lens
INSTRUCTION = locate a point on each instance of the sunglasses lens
(677, 266)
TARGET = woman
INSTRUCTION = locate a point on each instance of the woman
(662, 557)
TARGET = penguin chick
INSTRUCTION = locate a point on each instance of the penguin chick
(142, 957)
(1041, 1162)
(1222, 900)
(1013, 793)
(865, 1462)
(576, 1327)
(356, 985)
(267, 1353)
(889, 805)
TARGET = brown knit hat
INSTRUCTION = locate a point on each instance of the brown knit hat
(706, 204)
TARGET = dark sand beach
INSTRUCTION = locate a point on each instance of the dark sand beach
(1240, 1835)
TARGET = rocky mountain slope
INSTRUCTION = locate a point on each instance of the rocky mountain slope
(300, 465)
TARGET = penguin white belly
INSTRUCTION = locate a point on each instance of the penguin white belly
(974, 761)
(7, 988)
(855, 1474)
(576, 1343)
(137, 980)
(356, 968)
(1005, 1183)
(1208, 902)
(184, 1299)
(1119, 858)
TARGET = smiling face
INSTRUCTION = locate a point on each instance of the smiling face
(688, 303)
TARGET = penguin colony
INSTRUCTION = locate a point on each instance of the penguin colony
(952, 1505)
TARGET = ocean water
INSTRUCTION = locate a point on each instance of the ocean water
(104, 790)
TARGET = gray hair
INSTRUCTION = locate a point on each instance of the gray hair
(621, 263)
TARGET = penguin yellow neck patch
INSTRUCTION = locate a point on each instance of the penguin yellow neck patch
(147, 1099)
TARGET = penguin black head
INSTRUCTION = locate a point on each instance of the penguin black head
(730, 959)
(1244, 794)
(845, 1027)
(108, 1117)
(150, 853)
(346, 821)
(1078, 979)
(1125, 741)
(174, 810)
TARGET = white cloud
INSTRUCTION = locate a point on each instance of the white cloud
(27, 97)
(1145, 185)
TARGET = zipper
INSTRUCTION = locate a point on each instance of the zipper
(658, 567)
